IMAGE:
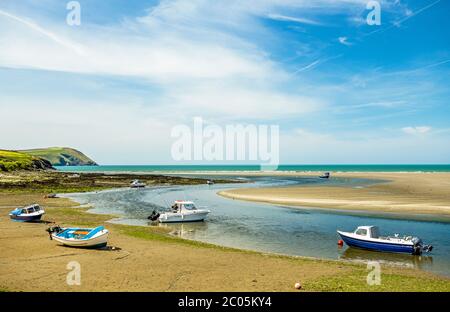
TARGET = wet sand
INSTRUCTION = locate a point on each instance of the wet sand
(147, 259)
(405, 193)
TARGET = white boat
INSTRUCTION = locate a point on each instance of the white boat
(368, 237)
(183, 211)
(82, 237)
(137, 184)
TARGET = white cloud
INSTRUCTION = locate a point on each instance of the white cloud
(416, 130)
(300, 20)
(344, 41)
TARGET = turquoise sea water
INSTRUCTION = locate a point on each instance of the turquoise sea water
(193, 168)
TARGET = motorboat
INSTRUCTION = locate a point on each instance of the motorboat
(325, 175)
(183, 211)
(81, 237)
(210, 182)
(368, 237)
(26, 214)
(137, 184)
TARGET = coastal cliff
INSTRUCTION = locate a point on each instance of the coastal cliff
(12, 160)
(61, 156)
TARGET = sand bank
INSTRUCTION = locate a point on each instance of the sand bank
(404, 193)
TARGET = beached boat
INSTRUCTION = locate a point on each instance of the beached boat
(183, 211)
(82, 237)
(137, 184)
(368, 237)
(325, 175)
(26, 214)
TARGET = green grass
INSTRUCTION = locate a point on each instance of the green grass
(11, 161)
(61, 156)
(390, 281)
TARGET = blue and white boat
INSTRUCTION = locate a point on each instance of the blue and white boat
(82, 237)
(368, 237)
(26, 214)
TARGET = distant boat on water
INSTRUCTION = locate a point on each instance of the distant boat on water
(325, 175)
(368, 237)
(137, 184)
(26, 214)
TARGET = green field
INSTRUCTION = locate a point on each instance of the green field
(11, 161)
(61, 156)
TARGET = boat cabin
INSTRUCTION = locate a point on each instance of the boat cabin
(180, 205)
(30, 209)
(368, 231)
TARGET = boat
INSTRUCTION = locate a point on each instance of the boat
(368, 237)
(82, 237)
(210, 182)
(325, 175)
(183, 211)
(26, 214)
(137, 184)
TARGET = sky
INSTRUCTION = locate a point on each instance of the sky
(340, 90)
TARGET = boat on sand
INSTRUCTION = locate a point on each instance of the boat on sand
(27, 214)
(82, 237)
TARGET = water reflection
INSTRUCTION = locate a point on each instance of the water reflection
(404, 260)
(184, 230)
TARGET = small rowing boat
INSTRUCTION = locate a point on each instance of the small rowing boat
(27, 214)
(82, 237)
(368, 237)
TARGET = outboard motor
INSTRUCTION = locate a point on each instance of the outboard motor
(53, 229)
(419, 247)
(154, 216)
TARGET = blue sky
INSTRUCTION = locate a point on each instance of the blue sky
(341, 91)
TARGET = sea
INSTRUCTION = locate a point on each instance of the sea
(237, 168)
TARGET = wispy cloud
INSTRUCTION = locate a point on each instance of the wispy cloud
(300, 20)
(416, 130)
(33, 26)
(344, 41)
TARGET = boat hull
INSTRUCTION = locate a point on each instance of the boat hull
(182, 217)
(94, 242)
(376, 245)
(26, 218)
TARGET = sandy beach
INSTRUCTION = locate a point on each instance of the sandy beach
(403, 193)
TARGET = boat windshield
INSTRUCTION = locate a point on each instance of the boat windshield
(189, 207)
(362, 232)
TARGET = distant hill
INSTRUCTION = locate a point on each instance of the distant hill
(12, 160)
(61, 156)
